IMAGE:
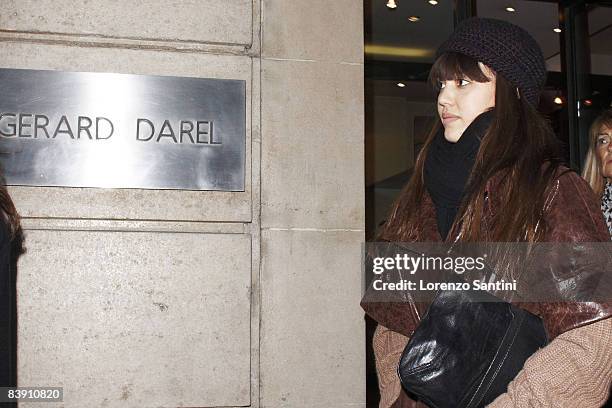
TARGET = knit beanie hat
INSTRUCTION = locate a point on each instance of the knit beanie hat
(508, 49)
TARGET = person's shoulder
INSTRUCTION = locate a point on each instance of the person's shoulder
(562, 177)
(572, 209)
(570, 179)
(563, 171)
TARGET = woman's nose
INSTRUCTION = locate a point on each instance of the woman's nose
(445, 97)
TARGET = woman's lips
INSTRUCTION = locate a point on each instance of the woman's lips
(448, 119)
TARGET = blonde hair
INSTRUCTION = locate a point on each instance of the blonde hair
(592, 167)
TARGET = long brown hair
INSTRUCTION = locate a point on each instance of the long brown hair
(515, 147)
(11, 218)
(592, 166)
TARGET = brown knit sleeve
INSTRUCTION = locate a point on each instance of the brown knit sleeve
(574, 370)
(388, 346)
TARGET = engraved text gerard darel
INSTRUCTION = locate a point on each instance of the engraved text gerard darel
(39, 126)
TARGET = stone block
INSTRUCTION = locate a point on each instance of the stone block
(207, 21)
(312, 145)
(134, 203)
(135, 319)
(318, 30)
(312, 332)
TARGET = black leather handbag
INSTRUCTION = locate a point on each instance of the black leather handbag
(467, 348)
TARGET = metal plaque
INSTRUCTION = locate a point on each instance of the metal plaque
(78, 129)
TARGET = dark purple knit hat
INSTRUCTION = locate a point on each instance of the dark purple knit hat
(506, 48)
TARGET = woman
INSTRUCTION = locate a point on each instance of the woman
(598, 167)
(11, 239)
(492, 173)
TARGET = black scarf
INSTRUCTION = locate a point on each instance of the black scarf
(448, 167)
(606, 205)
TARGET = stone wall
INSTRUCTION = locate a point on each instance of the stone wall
(161, 298)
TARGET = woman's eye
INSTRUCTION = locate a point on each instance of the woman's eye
(441, 85)
(462, 82)
(602, 140)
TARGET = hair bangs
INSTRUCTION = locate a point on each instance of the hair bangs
(603, 120)
(454, 66)
(606, 119)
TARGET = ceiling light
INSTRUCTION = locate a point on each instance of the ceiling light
(394, 51)
(433, 2)
(510, 9)
(557, 30)
(558, 100)
(391, 4)
(401, 84)
(414, 19)
(588, 102)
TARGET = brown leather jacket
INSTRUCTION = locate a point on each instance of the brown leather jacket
(572, 215)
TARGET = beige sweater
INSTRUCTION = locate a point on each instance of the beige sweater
(574, 370)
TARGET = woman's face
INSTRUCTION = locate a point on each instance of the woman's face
(461, 101)
(604, 151)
